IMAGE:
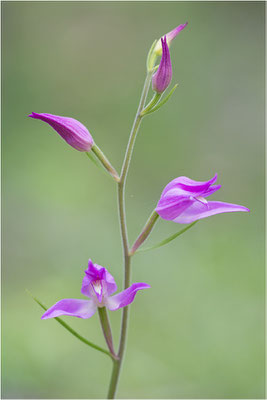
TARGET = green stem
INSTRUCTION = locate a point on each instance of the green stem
(145, 232)
(105, 324)
(114, 379)
(122, 217)
(135, 127)
(105, 162)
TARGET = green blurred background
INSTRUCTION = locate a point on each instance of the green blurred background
(199, 331)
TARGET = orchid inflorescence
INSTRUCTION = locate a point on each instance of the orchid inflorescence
(182, 201)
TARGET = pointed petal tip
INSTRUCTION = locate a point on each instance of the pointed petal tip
(214, 179)
(146, 286)
(218, 186)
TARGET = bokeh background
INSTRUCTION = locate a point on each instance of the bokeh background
(199, 331)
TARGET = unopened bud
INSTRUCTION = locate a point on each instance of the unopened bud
(71, 130)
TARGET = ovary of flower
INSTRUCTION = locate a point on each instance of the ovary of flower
(98, 284)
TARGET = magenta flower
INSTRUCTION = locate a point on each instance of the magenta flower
(71, 130)
(184, 201)
(162, 78)
(169, 36)
(98, 284)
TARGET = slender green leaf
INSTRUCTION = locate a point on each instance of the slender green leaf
(169, 239)
(152, 103)
(162, 102)
(77, 335)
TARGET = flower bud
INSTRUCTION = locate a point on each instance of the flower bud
(170, 36)
(71, 130)
(162, 78)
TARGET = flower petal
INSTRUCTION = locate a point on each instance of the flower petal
(172, 34)
(198, 210)
(211, 190)
(188, 187)
(73, 307)
(96, 272)
(125, 297)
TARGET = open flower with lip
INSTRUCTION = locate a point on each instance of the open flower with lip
(98, 284)
(169, 36)
(184, 201)
(71, 130)
(162, 78)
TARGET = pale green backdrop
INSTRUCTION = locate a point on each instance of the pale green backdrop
(199, 331)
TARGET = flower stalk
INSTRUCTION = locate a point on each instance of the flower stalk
(105, 324)
(105, 162)
(145, 232)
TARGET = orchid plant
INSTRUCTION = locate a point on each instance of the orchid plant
(183, 201)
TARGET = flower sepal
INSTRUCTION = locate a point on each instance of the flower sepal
(170, 36)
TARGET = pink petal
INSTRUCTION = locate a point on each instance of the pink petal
(186, 186)
(96, 272)
(211, 190)
(172, 34)
(73, 307)
(125, 297)
(199, 210)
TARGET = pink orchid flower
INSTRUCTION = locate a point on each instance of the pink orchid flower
(98, 284)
